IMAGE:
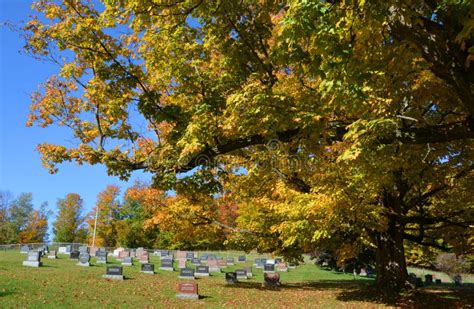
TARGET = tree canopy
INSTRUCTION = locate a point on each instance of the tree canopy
(326, 122)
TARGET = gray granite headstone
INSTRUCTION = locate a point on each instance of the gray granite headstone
(84, 258)
(148, 268)
(167, 265)
(186, 273)
(114, 273)
(269, 268)
(241, 258)
(202, 271)
(127, 261)
(33, 259)
(101, 257)
(241, 274)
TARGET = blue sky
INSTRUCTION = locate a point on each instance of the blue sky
(20, 164)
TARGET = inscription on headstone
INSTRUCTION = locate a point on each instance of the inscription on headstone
(241, 274)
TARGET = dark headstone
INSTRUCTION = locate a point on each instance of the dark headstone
(74, 255)
(428, 279)
(271, 279)
(195, 261)
(419, 282)
(241, 258)
(231, 277)
(278, 260)
(269, 268)
(148, 268)
(457, 280)
(438, 281)
(186, 273)
(167, 265)
(101, 257)
(189, 256)
(230, 261)
(202, 271)
(114, 273)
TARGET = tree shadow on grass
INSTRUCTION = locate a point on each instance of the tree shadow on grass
(443, 296)
(5, 292)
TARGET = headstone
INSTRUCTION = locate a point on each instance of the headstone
(363, 272)
(189, 256)
(181, 255)
(230, 261)
(412, 278)
(281, 267)
(186, 273)
(457, 280)
(93, 251)
(202, 271)
(127, 261)
(438, 281)
(52, 255)
(187, 291)
(101, 257)
(117, 251)
(24, 249)
(241, 258)
(143, 257)
(84, 258)
(428, 279)
(213, 266)
(148, 269)
(181, 263)
(249, 271)
(241, 274)
(33, 259)
(259, 263)
(271, 280)
(65, 249)
(278, 260)
(74, 255)
(123, 254)
(167, 265)
(204, 259)
(219, 258)
(195, 262)
(270, 261)
(84, 249)
(269, 268)
(291, 265)
(231, 277)
(114, 273)
(419, 282)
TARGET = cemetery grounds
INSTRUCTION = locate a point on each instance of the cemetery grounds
(61, 284)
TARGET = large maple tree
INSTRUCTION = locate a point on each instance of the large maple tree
(350, 119)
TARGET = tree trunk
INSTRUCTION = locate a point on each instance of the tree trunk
(390, 258)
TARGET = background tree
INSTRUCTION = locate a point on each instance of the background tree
(20, 211)
(109, 215)
(36, 229)
(377, 96)
(7, 230)
(69, 224)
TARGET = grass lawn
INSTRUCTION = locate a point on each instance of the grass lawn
(62, 284)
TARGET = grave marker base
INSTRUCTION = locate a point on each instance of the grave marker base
(167, 268)
(127, 264)
(147, 272)
(242, 277)
(32, 264)
(52, 257)
(183, 277)
(83, 264)
(187, 296)
(113, 277)
(201, 275)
